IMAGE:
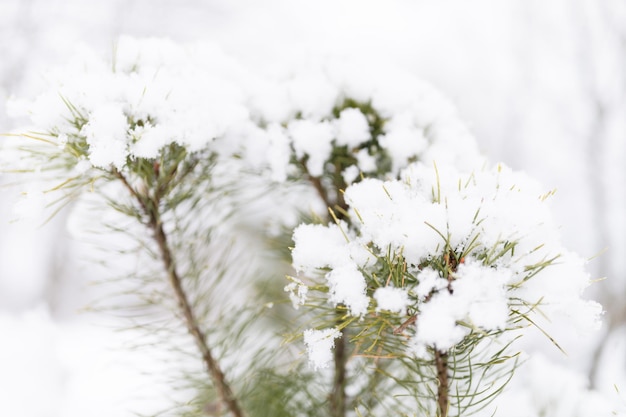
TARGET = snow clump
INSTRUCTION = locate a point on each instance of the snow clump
(154, 93)
(476, 248)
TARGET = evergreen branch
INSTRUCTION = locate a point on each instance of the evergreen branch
(338, 394)
(319, 188)
(150, 207)
(443, 400)
(224, 390)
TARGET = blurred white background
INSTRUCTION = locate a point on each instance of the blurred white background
(542, 85)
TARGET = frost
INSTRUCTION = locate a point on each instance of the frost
(319, 345)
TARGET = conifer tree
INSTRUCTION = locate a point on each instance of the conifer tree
(416, 264)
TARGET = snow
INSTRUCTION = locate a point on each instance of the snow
(435, 210)
(319, 345)
(312, 140)
(278, 153)
(402, 142)
(550, 389)
(106, 136)
(74, 369)
(365, 161)
(31, 206)
(391, 299)
(157, 93)
(513, 69)
(482, 292)
(347, 286)
(417, 122)
(429, 281)
(352, 128)
(437, 323)
(478, 298)
(317, 246)
(297, 292)
(311, 93)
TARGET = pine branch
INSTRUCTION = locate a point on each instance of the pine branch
(223, 388)
(338, 395)
(443, 399)
(150, 206)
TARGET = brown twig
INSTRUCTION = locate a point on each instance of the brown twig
(443, 400)
(406, 324)
(441, 358)
(223, 388)
(338, 394)
(150, 206)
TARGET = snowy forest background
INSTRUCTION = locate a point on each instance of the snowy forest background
(542, 85)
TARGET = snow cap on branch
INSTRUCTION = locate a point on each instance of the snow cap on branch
(154, 93)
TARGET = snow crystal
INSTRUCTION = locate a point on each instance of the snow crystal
(419, 123)
(392, 299)
(438, 208)
(319, 345)
(478, 297)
